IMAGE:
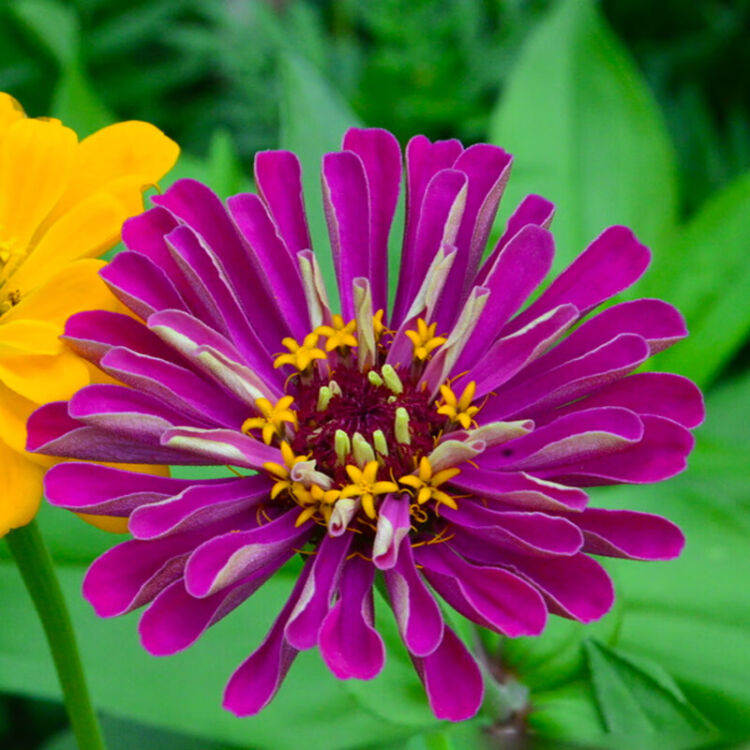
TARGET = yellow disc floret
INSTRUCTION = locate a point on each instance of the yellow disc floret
(339, 334)
(272, 418)
(314, 500)
(459, 409)
(283, 474)
(300, 357)
(424, 339)
(364, 485)
(426, 484)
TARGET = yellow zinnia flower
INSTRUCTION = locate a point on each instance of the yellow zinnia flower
(62, 203)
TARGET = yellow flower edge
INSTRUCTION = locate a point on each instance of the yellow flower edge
(62, 204)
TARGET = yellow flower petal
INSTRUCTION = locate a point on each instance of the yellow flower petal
(42, 378)
(30, 337)
(10, 111)
(76, 287)
(20, 489)
(36, 158)
(86, 231)
(126, 149)
(14, 413)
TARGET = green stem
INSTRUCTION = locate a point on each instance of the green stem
(437, 741)
(38, 573)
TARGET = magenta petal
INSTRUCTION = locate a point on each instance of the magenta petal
(229, 447)
(519, 489)
(104, 490)
(629, 534)
(576, 587)
(225, 559)
(489, 596)
(349, 644)
(278, 176)
(145, 234)
(381, 156)
(394, 523)
(315, 598)
(660, 394)
(347, 202)
(256, 681)
(140, 284)
(198, 505)
(175, 620)
(452, 679)
(417, 613)
(611, 263)
(532, 210)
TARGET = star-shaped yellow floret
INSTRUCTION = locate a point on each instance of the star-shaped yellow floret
(426, 484)
(272, 418)
(282, 474)
(459, 409)
(364, 485)
(314, 499)
(424, 339)
(377, 324)
(339, 334)
(300, 357)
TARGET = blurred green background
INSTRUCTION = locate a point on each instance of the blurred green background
(624, 111)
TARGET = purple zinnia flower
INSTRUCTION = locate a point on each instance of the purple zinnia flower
(444, 445)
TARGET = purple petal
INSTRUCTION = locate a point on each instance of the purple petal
(145, 234)
(104, 490)
(417, 613)
(314, 601)
(394, 523)
(381, 156)
(517, 272)
(347, 204)
(534, 210)
(491, 597)
(629, 534)
(256, 681)
(658, 393)
(349, 644)
(140, 284)
(575, 437)
(273, 262)
(225, 559)
(576, 587)
(569, 381)
(221, 446)
(612, 262)
(519, 489)
(452, 679)
(278, 176)
(198, 505)
(661, 454)
(175, 620)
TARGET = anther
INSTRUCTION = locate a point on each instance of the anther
(363, 452)
(392, 380)
(401, 426)
(374, 378)
(342, 445)
(379, 441)
(324, 397)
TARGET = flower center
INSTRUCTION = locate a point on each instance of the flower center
(352, 434)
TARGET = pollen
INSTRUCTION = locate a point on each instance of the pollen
(340, 334)
(424, 339)
(272, 419)
(459, 409)
(426, 485)
(300, 357)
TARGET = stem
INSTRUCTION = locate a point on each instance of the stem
(437, 741)
(38, 573)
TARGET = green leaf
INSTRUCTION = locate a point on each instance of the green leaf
(183, 692)
(53, 24)
(225, 171)
(314, 118)
(76, 103)
(636, 696)
(566, 714)
(705, 273)
(586, 132)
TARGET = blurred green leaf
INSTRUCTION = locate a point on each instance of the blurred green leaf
(586, 132)
(53, 24)
(636, 696)
(225, 171)
(706, 274)
(314, 118)
(183, 693)
(567, 714)
(76, 104)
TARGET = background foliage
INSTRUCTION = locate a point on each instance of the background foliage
(624, 111)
